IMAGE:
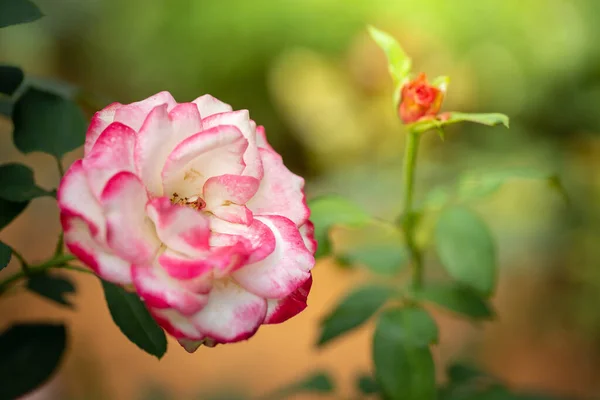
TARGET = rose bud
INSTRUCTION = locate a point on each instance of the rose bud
(419, 99)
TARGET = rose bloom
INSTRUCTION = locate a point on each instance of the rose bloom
(189, 206)
(419, 99)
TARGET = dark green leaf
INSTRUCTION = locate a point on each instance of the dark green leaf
(354, 310)
(459, 373)
(52, 287)
(10, 77)
(9, 210)
(133, 319)
(17, 183)
(466, 248)
(47, 122)
(5, 255)
(404, 366)
(367, 385)
(457, 298)
(378, 247)
(6, 107)
(30, 355)
(328, 211)
(319, 382)
(449, 118)
(13, 12)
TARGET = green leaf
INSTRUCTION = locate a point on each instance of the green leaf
(47, 122)
(5, 255)
(52, 287)
(30, 355)
(449, 118)
(319, 382)
(476, 184)
(489, 119)
(354, 310)
(404, 367)
(367, 385)
(327, 211)
(379, 247)
(10, 78)
(133, 319)
(17, 183)
(13, 12)
(399, 64)
(458, 299)
(466, 248)
(9, 210)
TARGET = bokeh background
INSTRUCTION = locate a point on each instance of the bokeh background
(308, 72)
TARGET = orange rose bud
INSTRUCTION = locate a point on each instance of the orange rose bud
(419, 99)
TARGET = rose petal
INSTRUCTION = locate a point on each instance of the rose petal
(112, 153)
(229, 189)
(160, 291)
(285, 269)
(128, 231)
(232, 313)
(161, 132)
(78, 239)
(261, 138)
(178, 266)
(241, 120)
(213, 152)
(216, 263)
(279, 311)
(99, 122)
(258, 238)
(182, 229)
(75, 198)
(179, 327)
(208, 105)
(225, 195)
(308, 235)
(280, 192)
(134, 114)
(186, 121)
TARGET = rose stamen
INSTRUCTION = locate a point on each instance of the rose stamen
(194, 202)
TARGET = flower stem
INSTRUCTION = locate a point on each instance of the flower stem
(21, 259)
(61, 170)
(408, 220)
(59, 245)
(59, 261)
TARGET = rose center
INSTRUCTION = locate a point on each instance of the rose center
(424, 95)
(194, 202)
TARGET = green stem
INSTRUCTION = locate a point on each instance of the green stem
(21, 259)
(408, 224)
(59, 245)
(74, 268)
(61, 170)
(56, 262)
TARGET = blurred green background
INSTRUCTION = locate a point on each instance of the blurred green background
(308, 72)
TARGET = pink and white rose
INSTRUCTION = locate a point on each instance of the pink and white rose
(188, 205)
